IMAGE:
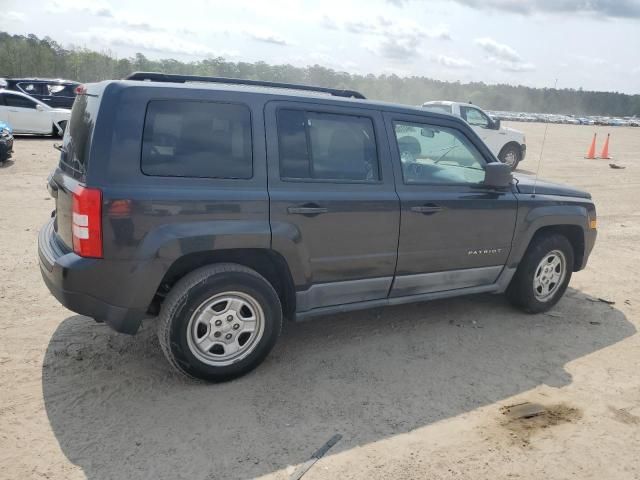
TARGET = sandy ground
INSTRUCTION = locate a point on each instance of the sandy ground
(415, 391)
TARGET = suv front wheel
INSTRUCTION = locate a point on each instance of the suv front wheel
(543, 274)
(219, 322)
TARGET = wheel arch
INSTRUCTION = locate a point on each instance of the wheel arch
(268, 263)
(573, 233)
(511, 143)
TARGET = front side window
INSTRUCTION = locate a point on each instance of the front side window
(437, 155)
(18, 101)
(197, 139)
(474, 117)
(326, 146)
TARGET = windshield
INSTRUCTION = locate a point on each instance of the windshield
(438, 108)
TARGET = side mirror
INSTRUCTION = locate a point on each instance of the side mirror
(427, 132)
(495, 124)
(497, 175)
(39, 107)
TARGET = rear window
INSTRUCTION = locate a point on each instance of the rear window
(77, 137)
(197, 139)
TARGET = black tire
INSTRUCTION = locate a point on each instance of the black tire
(521, 289)
(190, 293)
(511, 154)
(63, 126)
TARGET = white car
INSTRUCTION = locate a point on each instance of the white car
(25, 114)
(507, 144)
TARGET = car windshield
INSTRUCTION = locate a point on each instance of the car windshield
(438, 108)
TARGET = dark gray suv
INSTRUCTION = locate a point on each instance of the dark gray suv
(223, 206)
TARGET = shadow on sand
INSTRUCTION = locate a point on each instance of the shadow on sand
(118, 412)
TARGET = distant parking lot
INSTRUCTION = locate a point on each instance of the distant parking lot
(415, 391)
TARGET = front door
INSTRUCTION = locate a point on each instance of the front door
(455, 233)
(24, 117)
(481, 123)
(334, 211)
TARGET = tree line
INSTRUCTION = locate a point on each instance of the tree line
(31, 56)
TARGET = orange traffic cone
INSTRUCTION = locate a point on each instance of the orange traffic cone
(605, 149)
(591, 153)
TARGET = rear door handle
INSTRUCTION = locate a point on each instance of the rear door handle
(309, 209)
(427, 209)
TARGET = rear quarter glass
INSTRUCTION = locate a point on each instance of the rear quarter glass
(74, 158)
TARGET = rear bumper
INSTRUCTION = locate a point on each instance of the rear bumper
(69, 277)
(589, 242)
(6, 148)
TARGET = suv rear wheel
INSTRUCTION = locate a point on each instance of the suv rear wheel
(219, 322)
(543, 275)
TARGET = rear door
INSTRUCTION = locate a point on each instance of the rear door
(455, 232)
(334, 211)
(59, 95)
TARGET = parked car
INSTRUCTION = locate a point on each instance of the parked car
(508, 144)
(221, 209)
(28, 115)
(56, 93)
(6, 141)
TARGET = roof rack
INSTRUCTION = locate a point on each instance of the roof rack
(167, 77)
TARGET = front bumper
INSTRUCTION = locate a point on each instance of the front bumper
(67, 276)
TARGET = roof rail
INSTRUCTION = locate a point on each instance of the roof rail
(168, 77)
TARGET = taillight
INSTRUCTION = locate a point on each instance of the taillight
(87, 222)
(81, 90)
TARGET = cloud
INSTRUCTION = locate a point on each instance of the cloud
(592, 61)
(267, 36)
(362, 27)
(498, 50)
(98, 8)
(395, 48)
(608, 8)
(328, 23)
(452, 62)
(15, 16)
(398, 3)
(503, 56)
(395, 40)
(159, 42)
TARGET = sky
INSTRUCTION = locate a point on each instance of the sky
(589, 44)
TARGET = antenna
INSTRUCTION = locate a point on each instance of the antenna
(544, 139)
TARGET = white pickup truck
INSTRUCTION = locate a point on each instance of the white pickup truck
(506, 143)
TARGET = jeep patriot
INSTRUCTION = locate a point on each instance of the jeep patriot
(222, 206)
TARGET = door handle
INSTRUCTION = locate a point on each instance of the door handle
(309, 209)
(427, 209)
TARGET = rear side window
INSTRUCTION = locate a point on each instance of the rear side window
(60, 90)
(197, 139)
(326, 146)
